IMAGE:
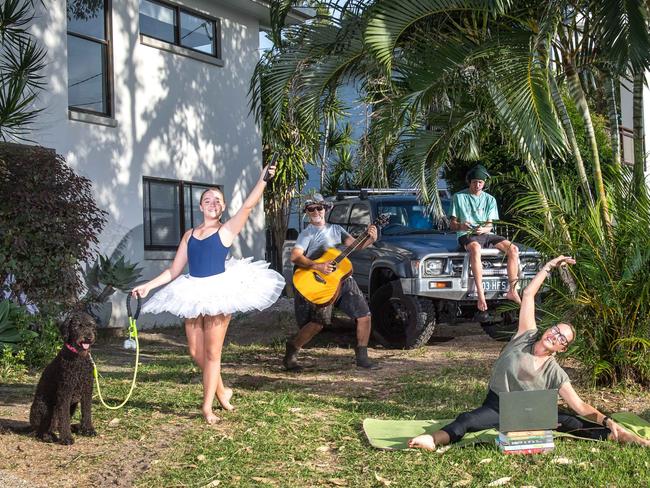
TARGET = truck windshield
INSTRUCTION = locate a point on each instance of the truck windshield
(411, 218)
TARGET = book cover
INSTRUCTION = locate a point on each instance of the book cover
(536, 450)
(539, 445)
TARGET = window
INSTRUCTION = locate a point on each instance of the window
(89, 57)
(339, 215)
(359, 219)
(179, 26)
(170, 208)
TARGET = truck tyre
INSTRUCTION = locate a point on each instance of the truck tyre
(501, 331)
(399, 320)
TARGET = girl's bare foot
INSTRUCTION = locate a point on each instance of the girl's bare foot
(224, 398)
(209, 415)
(424, 441)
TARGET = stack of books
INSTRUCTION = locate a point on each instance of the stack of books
(525, 442)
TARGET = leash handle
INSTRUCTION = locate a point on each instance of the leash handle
(128, 306)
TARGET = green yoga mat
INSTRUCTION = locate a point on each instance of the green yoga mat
(395, 434)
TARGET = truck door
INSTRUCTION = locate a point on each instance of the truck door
(361, 259)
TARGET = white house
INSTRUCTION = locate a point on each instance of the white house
(627, 135)
(148, 99)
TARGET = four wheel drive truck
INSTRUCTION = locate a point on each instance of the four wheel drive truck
(415, 275)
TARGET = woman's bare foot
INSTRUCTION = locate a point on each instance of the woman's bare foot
(224, 398)
(424, 441)
(209, 415)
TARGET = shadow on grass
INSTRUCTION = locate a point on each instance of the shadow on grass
(16, 394)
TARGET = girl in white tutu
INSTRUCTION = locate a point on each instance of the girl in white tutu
(214, 287)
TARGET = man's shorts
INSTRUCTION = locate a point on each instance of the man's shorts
(350, 300)
(486, 241)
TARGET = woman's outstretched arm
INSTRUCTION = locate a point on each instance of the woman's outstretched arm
(527, 310)
(233, 226)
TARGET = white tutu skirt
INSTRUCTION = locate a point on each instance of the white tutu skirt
(244, 285)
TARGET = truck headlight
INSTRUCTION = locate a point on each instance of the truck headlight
(531, 266)
(434, 267)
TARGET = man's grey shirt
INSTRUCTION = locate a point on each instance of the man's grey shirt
(316, 240)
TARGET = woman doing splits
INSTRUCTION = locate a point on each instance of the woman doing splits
(214, 287)
(528, 363)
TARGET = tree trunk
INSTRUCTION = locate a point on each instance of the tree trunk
(639, 139)
(578, 96)
(539, 179)
(612, 114)
(571, 136)
(323, 161)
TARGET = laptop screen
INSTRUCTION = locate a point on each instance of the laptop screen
(527, 410)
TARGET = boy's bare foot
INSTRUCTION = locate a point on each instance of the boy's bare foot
(424, 441)
(224, 399)
(513, 295)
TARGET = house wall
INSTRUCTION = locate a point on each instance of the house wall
(627, 121)
(176, 118)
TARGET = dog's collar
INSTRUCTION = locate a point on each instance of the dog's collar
(71, 348)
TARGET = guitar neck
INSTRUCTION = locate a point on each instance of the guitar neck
(352, 247)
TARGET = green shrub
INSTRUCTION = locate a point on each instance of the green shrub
(610, 307)
(49, 224)
(26, 341)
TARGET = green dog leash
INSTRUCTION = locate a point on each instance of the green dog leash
(133, 336)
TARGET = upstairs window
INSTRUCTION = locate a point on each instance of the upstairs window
(89, 57)
(179, 26)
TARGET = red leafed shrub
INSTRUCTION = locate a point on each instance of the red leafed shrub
(49, 223)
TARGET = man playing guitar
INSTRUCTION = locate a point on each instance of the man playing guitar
(312, 242)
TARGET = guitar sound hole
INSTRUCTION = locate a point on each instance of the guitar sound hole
(319, 278)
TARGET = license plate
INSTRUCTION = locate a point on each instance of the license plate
(495, 285)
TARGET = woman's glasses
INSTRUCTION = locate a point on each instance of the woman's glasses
(315, 208)
(561, 338)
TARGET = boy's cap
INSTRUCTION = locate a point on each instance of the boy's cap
(478, 172)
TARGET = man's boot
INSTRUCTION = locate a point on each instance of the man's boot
(361, 354)
(290, 360)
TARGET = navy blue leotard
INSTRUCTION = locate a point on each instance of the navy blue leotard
(206, 257)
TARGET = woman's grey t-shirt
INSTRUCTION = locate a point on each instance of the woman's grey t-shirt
(515, 369)
(316, 240)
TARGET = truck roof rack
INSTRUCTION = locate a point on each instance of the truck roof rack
(364, 193)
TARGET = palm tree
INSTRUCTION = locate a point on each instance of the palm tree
(21, 63)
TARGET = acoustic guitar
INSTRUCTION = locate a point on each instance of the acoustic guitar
(323, 289)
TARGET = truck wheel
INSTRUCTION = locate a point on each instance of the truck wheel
(503, 330)
(398, 320)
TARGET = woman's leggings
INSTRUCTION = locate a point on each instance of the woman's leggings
(487, 417)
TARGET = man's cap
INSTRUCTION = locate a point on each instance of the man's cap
(478, 172)
(316, 199)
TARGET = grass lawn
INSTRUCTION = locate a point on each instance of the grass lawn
(301, 430)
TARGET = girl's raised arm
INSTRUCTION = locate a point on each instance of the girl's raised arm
(234, 225)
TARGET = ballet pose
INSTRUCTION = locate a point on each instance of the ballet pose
(214, 288)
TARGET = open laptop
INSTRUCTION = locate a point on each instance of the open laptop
(527, 410)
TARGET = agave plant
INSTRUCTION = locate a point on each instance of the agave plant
(10, 333)
(105, 276)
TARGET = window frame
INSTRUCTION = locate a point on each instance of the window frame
(178, 9)
(108, 43)
(180, 184)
